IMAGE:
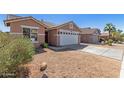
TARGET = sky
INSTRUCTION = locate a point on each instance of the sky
(82, 20)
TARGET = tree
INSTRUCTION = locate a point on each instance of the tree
(120, 31)
(117, 35)
(110, 28)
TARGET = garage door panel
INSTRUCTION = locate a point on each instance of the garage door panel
(95, 39)
(67, 39)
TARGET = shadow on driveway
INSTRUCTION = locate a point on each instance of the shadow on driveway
(67, 47)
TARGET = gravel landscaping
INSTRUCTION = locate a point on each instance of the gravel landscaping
(73, 64)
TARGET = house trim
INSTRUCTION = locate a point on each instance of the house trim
(35, 41)
(41, 34)
(24, 18)
(31, 27)
(16, 33)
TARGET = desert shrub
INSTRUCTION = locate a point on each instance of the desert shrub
(45, 45)
(110, 41)
(122, 39)
(4, 39)
(106, 41)
(13, 52)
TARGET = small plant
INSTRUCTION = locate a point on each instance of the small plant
(110, 41)
(45, 45)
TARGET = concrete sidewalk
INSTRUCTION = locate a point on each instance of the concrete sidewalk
(107, 52)
(122, 69)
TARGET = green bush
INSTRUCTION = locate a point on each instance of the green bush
(13, 52)
(110, 41)
(45, 45)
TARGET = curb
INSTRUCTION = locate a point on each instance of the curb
(122, 68)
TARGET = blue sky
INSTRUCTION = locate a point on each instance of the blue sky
(82, 20)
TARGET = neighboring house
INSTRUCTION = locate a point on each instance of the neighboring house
(104, 36)
(40, 31)
(27, 27)
(90, 35)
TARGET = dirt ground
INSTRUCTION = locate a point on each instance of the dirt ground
(73, 64)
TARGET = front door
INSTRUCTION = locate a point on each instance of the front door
(46, 37)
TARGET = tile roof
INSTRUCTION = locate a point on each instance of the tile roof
(89, 30)
(49, 24)
(23, 18)
(104, 34)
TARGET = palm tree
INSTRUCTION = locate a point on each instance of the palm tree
(110, 28)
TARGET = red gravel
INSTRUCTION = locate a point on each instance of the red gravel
(70, 64)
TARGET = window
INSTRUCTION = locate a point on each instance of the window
(30, 33)
(26, 32)
(33, 35)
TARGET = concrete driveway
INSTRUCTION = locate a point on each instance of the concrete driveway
(107, 52)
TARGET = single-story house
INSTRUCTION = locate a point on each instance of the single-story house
(40, 31)
(27, 27)
(90, 35)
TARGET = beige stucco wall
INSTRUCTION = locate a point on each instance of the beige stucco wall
(66, 27)
(15, 27)
(52, 37)
(88, 38)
